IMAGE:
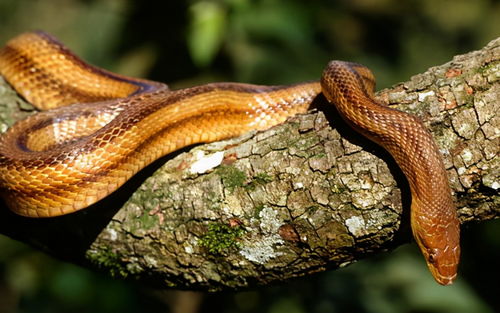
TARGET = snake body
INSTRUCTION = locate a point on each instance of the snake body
(69, 157)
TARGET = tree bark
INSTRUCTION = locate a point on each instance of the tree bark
(302, 197)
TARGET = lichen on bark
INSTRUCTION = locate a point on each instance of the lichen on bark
(299, 198)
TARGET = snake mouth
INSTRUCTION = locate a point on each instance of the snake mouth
(443, 279)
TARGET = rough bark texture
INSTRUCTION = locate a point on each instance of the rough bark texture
(299, 198)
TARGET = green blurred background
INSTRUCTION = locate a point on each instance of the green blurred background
(184, 43)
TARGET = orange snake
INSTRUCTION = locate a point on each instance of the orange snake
(69, 157)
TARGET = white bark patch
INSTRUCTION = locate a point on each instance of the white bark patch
(356, 226)
(423, 95)
(113, 235)
(205, 163)
(188, 249)
(466, 155)
(261, 249)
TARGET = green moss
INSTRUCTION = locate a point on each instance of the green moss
(468, 101)
(109, 261)
(263, 178)
(257, 210)
(312, 209)
(213, 201)
(147, 221)
(486, 68)
(338, 189)
(231, 177)
(306, 143)
(259, 179)
(320, 155)
(220, 238)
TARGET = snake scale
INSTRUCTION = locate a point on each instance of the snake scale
(70, 156)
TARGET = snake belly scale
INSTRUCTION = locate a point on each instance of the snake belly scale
(100, 128)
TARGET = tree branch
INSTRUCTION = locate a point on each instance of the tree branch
(299, 198)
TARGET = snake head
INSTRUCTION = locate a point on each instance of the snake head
(441, 250)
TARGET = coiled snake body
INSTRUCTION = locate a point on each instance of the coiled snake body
(67, 158)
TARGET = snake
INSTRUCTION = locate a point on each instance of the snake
(96, 129)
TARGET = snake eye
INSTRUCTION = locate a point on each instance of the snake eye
(432, 258)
